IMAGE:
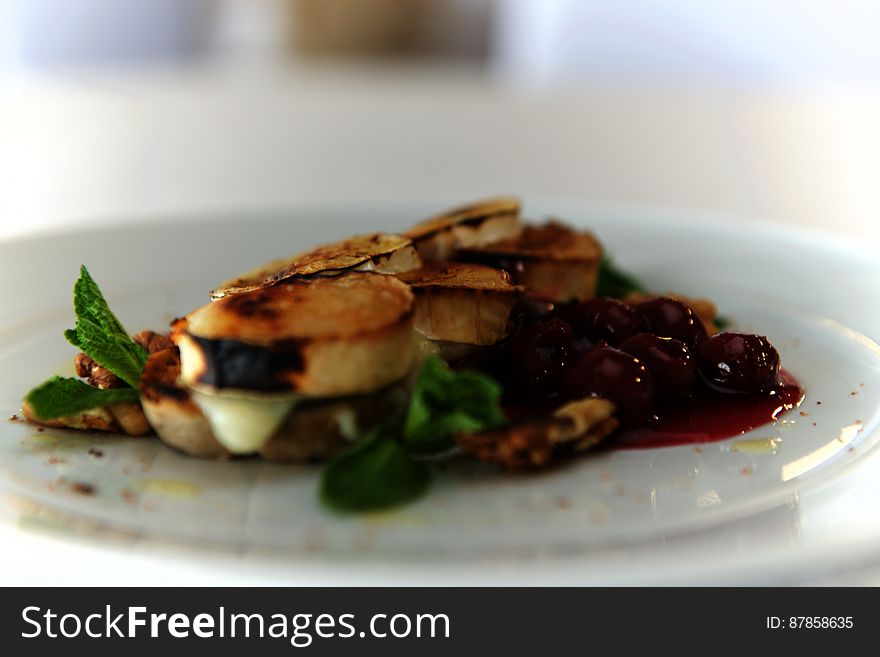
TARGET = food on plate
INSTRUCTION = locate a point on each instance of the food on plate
(736, 362)
(537, 441)
(474, 225)
(703, 308)
(249, 360)
(475, 333)
(551, 260)
(462, 304)
(385, 253)
(171, 411)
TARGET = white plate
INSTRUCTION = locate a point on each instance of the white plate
(797, 288)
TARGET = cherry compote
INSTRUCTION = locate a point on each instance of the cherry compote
(668, 360)
(615, 375)
(671, 382)
(670, 318)
(610, 320)
(738, 362)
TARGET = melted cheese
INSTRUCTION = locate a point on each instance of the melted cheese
(242, 424)
(347, 422)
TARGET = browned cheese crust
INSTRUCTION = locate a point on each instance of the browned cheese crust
(551, 260)
(462, 303)
(473, 225)
(386, 253)
(327, 336)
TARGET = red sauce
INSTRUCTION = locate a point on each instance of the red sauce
(711, 416)
(708, 416)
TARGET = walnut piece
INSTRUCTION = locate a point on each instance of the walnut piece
(536, 443)
(152, 341)
(125, 417)
(100, 377)
(96, 375)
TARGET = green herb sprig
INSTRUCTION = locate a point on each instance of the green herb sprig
(60, 396)
(102, 337)
(446, 402)
(381, 471)
(375, 474)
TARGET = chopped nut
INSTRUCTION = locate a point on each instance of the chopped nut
(592, 420)
(534, 443)
(152, 341)
(97, 375)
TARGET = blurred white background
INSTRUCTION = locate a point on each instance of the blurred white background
(816, 43)
(754, 110)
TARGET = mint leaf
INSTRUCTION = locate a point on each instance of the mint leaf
(380, 472)
(376, 474)
(59, 396)
(445, 402)
(100, 334)
(614, 282)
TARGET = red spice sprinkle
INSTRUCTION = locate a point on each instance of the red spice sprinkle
(804, 414)
(40, 429)
(745, 471)
(13, 418)
(854, 393)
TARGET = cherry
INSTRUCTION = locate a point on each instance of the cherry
(670, 318)
(672, 369)
(610, 320)
(612, 374)
(738, 362)
(536, 357)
